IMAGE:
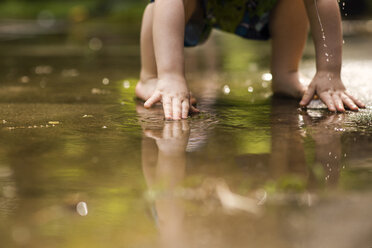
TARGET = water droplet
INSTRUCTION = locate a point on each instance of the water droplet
(330, 153)
(126, 84)
(104, 127)
(105, 81)
(82, 209)
(226, 90)
(250, 89)
(267, 77)
(325, 45)
(87, 116)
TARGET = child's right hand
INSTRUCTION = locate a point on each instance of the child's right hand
(175, 97)
(330, 89)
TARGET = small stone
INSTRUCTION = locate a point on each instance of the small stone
(82, 209)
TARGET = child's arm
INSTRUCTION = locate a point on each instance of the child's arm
(168, 35)
(325, 22)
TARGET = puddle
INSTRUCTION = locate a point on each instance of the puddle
(251, 170)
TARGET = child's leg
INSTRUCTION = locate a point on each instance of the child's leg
(148, 76)
(289, 29)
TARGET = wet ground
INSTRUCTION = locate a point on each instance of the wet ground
(82, 164)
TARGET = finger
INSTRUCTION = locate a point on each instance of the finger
(167, 107)
(348, 102)
(185, 109)
(177, 129)
(176, 105)
(156, 97)
(329, 120)
(185, 125)
(308, 96)
(167, 130)
(338, 102)
(358, 102)
(327, 99)
(193, 109)
(150, 134)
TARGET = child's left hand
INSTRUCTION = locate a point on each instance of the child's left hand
(332, 92)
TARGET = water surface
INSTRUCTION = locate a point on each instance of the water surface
(83, 164)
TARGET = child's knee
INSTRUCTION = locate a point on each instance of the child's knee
(149, 8)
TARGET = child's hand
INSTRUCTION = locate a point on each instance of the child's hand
(175, 97)
(332, 92)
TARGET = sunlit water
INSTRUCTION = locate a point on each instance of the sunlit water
(82, 164)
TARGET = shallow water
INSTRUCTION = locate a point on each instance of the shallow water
(82, 164)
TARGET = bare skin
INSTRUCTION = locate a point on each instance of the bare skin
(163, 79)
(162, 57)
(327, 83)
(287, 44)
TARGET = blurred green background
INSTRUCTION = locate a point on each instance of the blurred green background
(124, 10)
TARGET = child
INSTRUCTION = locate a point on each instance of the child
(165, 33)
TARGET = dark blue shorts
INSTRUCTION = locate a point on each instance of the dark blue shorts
(246, 18)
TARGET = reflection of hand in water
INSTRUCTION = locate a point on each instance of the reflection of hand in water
(288, 151)
(327, 143)
(163, 162)
(173, 139)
